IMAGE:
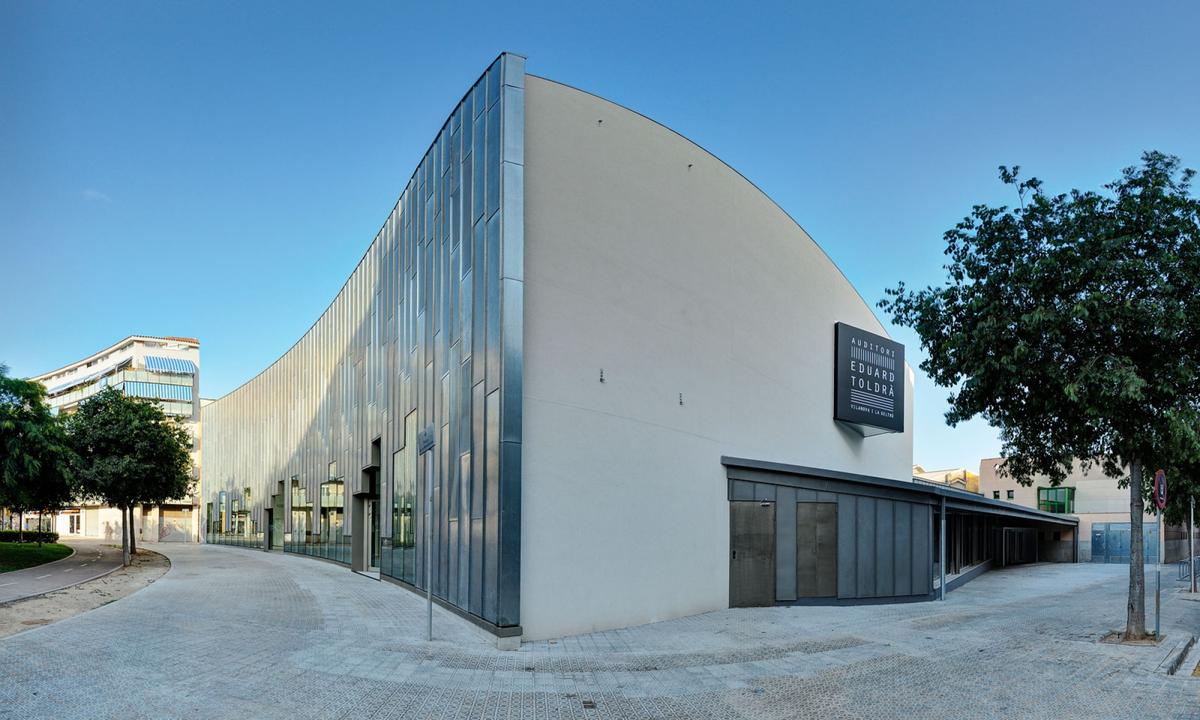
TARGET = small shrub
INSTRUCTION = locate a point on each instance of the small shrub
(31, 536)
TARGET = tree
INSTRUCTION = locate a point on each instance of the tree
(129, 452)
(35, 457)
(1072, 324)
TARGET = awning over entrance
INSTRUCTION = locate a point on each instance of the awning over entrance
(955, 499)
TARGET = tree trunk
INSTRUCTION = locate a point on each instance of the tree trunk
(124, 540)
(1135, 617)
(40, 528)
(21, 526)
(132, 542)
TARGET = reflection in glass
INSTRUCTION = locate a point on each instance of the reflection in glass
(301, 518)
(403, 496)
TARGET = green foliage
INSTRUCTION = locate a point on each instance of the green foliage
(129, 451)
(1072, 322)
(35, 454)
(15, 556)
(29, 536)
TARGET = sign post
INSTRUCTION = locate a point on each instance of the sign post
(1192, 540)
(1160, 500)
(424, 445)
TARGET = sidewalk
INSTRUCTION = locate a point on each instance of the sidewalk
(244, 633)
(92, 559)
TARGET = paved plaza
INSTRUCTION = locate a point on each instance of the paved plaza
(239, 633)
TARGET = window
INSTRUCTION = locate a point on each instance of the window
(995, 494)
(1010, 494)
(301, 516)
(1056, 500)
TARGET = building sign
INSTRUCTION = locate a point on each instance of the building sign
(869, 381)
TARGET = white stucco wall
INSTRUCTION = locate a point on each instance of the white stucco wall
(652, 260)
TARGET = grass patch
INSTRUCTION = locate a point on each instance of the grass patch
(15, 556)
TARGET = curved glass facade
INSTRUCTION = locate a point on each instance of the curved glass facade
(317, 454)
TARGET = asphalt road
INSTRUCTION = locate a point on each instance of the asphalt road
(92, 559)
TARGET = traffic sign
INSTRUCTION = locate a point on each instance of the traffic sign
(1160, 489)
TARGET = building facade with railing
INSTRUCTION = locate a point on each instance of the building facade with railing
(163, 369)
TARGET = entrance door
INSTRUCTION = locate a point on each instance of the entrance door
(277, 522)
(373, 535)
(816, 549)
(751, 554)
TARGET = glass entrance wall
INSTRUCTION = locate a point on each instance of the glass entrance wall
(234, 523)
(302, 531)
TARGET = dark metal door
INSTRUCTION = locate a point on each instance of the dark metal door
(816, 549)
(751, 554)
(1110, 542)
(1099, 543)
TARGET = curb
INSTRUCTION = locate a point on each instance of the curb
(62, 587)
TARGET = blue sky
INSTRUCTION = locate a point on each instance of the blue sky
(216, 169)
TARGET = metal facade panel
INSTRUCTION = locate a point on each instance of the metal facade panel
(865, 547)
(847, 534)
(763, 491)
(786, 522)
(742, 490)
(922, 549)
(509, 611)
(424, 324)
(902, 547)
(885, 540)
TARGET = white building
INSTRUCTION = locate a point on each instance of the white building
(647, 393)
(165, 369)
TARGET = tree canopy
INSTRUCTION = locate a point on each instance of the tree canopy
(1071, 323)
(35, 455)
(129, 451)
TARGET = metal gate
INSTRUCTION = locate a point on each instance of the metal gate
(1110, 542)
(751, 554)
(175, 525)
(816, 549)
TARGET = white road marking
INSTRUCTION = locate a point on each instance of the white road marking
(7, 584)
(39, 577)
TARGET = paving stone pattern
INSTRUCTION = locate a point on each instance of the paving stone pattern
(230, 632)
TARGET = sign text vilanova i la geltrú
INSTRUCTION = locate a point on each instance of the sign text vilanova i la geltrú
(869, 381)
